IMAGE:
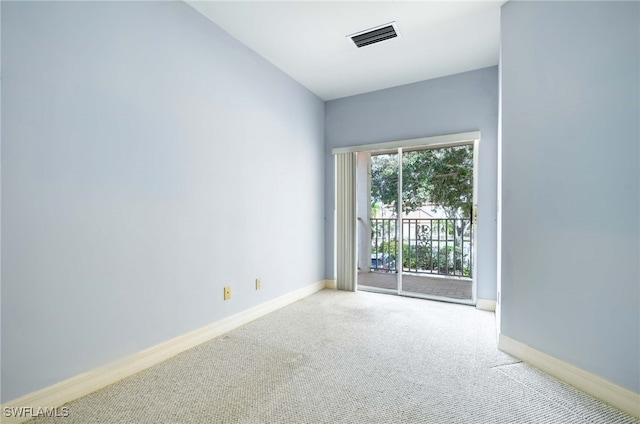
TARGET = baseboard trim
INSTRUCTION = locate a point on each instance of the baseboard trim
(486, 304)
(620, 397)
(84, 384)
(330, 284)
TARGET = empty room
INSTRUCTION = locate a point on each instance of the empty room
(320, 212)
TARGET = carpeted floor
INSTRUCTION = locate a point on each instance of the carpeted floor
(339, 357)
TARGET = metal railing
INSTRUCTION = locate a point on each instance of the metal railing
(383, 244)
(430, 246)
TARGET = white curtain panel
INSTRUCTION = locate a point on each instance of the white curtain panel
(346, 221)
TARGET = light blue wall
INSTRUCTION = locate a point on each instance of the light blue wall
(453, 104)
(148, 160)
(571, 192)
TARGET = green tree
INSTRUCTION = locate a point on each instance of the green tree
(384, 182)
(441, 177)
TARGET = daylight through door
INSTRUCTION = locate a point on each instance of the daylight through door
(425, 198)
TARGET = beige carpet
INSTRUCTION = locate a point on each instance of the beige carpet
(339, 357)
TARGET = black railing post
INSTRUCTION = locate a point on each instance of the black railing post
(455, 241)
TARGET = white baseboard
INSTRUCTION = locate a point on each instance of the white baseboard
(486, 304)
(83, 384)
(620, 397)
(330, 284)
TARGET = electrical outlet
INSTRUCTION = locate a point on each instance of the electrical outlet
(227, 292)
(258, 284)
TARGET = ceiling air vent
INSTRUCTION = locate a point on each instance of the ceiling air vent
(375, 35)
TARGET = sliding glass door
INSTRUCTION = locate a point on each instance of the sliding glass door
(379, 225)
(421, 235)
(437, 233)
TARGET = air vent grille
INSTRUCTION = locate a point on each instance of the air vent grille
(374, 36)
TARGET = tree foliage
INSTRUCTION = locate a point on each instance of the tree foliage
(441, 177)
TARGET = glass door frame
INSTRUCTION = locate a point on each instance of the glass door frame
(473, 217)
(397, 147)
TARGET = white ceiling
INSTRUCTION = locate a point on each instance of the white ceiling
(307, 39)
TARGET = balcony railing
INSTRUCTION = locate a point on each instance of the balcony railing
(430, 246)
